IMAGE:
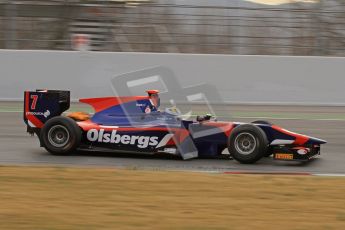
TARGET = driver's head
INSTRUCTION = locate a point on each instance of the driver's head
(154, 97)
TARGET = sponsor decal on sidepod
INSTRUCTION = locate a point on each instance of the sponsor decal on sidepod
(114, 138)
(45, 114)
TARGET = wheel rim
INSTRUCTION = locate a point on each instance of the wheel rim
(245, 143)
(58, 136)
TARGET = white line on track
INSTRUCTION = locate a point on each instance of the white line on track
(330, 174)
(263, 173)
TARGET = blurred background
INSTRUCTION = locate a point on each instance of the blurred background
(253, 27)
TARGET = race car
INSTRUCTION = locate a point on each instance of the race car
(135, 124)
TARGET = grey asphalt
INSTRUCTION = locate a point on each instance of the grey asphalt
(19, 148)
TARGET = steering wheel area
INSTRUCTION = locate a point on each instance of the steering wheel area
(173, 111)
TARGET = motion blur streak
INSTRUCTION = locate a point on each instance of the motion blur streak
(279, 2)
(305, 28)
(19, 148)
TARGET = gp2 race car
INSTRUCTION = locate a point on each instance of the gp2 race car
(134, 124)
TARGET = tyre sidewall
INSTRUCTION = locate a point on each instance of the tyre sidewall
(261, 143)
(262, 122)
(74, 135)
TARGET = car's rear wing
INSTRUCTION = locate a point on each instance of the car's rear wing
(41, 105)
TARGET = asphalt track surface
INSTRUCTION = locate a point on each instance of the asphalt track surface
(19, 148)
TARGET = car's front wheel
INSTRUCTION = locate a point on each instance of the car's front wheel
(60, 135)
(262, 122)
(247, 143)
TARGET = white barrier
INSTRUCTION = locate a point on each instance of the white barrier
(239, 79)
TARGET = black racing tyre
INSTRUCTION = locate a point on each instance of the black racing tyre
(269, 150)
(60, 135)
(247, 143)
(262, 122)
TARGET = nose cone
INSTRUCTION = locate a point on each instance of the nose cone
(314, 140)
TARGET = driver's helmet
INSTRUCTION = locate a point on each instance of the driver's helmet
(154, 98)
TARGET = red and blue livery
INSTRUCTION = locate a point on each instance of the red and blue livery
(135, 124)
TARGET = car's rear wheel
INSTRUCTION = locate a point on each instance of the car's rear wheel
(247, 143)
(60, 135)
